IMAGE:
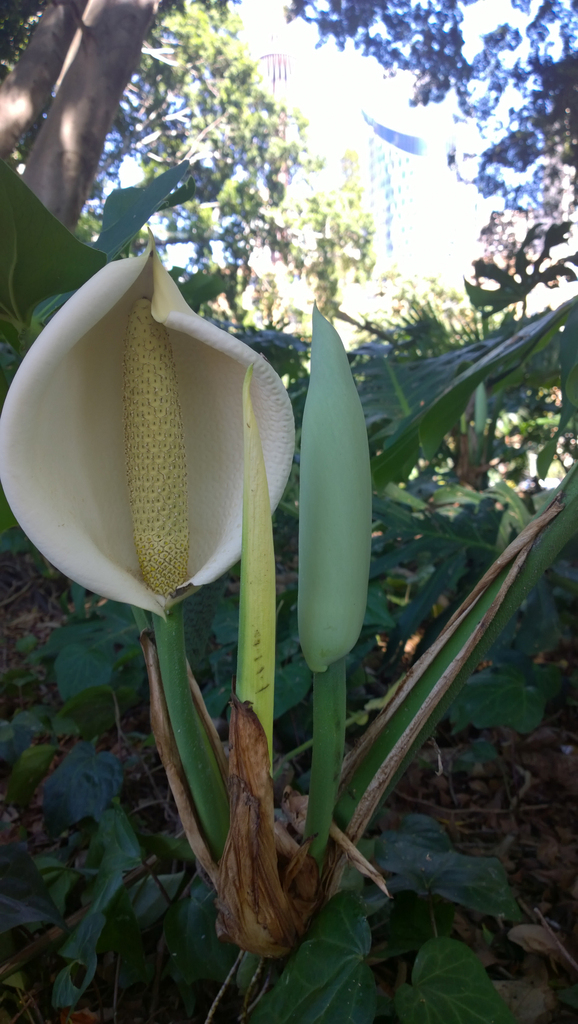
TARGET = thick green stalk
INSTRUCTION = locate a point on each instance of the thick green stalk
(546, 548)
(197, 757)
(329, 705)
(257, 600)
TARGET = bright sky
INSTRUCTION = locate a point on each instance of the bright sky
(332, 87)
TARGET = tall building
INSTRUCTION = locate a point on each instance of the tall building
(428, 214)
(396, 169)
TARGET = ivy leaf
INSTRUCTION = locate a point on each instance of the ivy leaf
(326, 981)
(449, 986)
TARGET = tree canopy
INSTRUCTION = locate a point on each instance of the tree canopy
(540, 134)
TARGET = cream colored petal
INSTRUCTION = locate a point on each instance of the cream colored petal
(61, 438)
(62, 445)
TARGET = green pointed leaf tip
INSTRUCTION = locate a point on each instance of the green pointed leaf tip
(334, 505)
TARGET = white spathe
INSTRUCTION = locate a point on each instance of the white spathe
(62, 460)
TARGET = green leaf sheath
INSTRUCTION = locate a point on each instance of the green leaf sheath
(545, 549)
(329, 704)
(197, 757)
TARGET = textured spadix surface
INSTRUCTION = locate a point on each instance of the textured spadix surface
(62, 449)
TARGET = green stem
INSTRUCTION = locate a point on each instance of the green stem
(543, 553)
(329, 704)
(197, 757)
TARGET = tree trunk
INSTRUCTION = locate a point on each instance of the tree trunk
(27, 89)
(65, 156)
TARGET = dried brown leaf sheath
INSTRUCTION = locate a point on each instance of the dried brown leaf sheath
(256, 910)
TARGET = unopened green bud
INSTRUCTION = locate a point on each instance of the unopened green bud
(334, 505)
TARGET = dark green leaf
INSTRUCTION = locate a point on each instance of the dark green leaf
(292, 684)
(437, 390)
(377, 612)
(39, 256)
(17, 735)
(114, 849)
(192, 940)
(149, 902)
(167, 847)
(181, 195)
(28, 772)
(121, 933)
(81, 668)
(81, 787)
(92, 710)
(24, 897)
(508, 694)
(58, 878)
(569, 996)
(326, 981)
(127, 214)
(80, 948)
(421, 864)
(449, 986)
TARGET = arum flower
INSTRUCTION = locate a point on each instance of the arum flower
(89, 485)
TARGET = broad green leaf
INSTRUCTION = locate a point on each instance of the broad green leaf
(28, 772)
(422, 860)
(16, 736)
(149, 902)
(192, 940)
(121, 933)
(326, 980)
(509, 693)
(292, 684)
(92, 710)
(82, 786)
(127, 214)
(81, 668)
(114, 849)
(437, 390)
(80, 948)
(38, 256)
(24, 897)
(449, 986)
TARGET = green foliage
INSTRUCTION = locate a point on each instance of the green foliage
(332, 238)
(39, 255)
(80, 950)
(28, 772)
(24, 897)
(421, 858)
(513, 692)
(189, 929)
(326, 981)
(82, 786)
(514, 287)
(449, 986)
(420, 402)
